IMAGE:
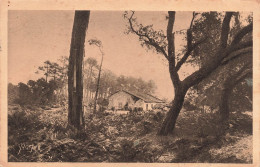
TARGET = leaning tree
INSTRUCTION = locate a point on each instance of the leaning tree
(75, 81)
(219, 88)
(165, 45)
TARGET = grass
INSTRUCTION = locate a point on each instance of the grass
(37, 135)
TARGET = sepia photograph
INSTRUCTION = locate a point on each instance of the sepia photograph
(100, 84)
(130, 86)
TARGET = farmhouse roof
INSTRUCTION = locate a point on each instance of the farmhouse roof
(145, 97)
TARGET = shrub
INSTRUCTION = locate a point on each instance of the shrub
(132, 150)
(189, 106)
(158, 116)
(209, 125)
(140, 109)
(199, 124)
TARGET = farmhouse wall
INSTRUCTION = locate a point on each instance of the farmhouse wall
(119, 100)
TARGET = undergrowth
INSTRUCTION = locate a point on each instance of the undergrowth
(37, 135)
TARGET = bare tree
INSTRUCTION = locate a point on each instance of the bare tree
(75, 82)
(165, 45)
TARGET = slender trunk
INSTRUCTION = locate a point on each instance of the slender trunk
(75, 81)
(89, 82)
(169, 122)
(99, 73)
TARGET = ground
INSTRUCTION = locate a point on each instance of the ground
(42, 135)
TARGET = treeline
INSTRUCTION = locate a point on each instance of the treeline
(37, 92)
(110, 82)
(52, 88)
(47, 90)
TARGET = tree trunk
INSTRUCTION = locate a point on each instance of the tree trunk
(96, 95)
(172, 115)
(88, 83)
(228, 86)
(223, 107)
(75, 80)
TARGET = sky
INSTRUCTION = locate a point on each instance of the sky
(37, 36)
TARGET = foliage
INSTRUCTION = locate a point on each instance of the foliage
(210, 91)
(208, 46)
(228, 77)
(43, 135)
(51, 69)
(148, 34)
(13, 93)
(42, 91)
(206, 134)
(37, 92)
(96, 42)
(205, 24)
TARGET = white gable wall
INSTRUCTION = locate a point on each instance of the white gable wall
(119, 100)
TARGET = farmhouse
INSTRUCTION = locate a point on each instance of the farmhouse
(124, 100)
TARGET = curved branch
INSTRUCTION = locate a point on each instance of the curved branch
(247, 29)
(204, 71)
(237, 47)
(240, 75)
(237, 54)
(157, 47)
(190, 46)
(148, 40)
(187, 54)
(247, 73)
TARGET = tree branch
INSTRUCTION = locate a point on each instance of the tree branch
(237, 47)
(242, 33)
(233, 79)
(189, 33)
(157, 47)
(204, 71)
(225, 30)
(244, 75)
(187, 54)
(148, 40)
(190, 47)
(236, 44)
(237, 54)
